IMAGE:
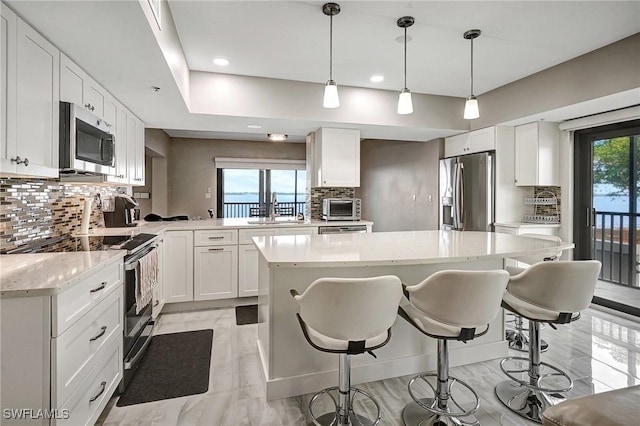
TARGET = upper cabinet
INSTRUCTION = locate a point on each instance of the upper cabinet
(30, 97)
(536, 154)
(78, 87)
(335, 158)
(468, 143)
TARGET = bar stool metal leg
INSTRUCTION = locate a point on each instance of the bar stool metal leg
(440, 410)
(530, 399)
(344, 414)
(518, 339)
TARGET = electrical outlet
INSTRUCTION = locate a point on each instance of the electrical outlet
(413, 197)
(430, 198)
(207, 195)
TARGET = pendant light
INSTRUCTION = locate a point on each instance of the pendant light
(405, 105)
(331, 99)
(471, 109)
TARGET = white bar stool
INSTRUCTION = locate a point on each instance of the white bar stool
(517, 338)
(547, 292)
(348, 316)
(449, 305)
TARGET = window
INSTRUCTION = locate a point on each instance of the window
(245, 188)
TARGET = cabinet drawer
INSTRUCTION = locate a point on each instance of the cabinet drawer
(216, 237)
(73, 350)
(297, 231)
(76, 301)
(89, 399)
(245, 235)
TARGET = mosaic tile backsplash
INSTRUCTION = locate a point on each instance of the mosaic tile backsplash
(314, 197)
(35, 209)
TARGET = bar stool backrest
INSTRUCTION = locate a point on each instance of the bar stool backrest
(461, 298)
(351, 308)
(564, 286)
(530, 260)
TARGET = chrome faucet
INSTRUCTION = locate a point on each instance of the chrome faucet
(274, 205)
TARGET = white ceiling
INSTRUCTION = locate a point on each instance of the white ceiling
(113, 42)
(290, 39)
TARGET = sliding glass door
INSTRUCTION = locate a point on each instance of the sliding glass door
(607, 206)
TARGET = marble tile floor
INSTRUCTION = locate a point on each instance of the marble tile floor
(601, 352)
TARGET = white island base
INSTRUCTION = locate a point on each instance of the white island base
(292, 367)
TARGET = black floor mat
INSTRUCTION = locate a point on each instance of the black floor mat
(246, 314)
(175, 365)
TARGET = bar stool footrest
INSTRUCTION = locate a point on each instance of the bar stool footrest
(332, 418)
(538, 387)
(431, 404)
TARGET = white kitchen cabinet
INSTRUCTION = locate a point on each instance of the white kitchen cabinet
(248, 255)
(536, 154)
(480, 140)
(30, 102)
(215, 272)
(121, 146)
(178, 271)
(158, 289)
(335, 158)
(75, 367)
(135, 150)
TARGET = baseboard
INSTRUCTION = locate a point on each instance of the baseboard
(208, 304)
(385, 369)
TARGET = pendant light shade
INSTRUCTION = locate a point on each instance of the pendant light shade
(471, 108)
(331, 99)
(405, 104)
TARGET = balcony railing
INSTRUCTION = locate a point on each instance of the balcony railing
(615, 244)
(244, 209)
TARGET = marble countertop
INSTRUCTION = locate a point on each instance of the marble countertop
(185, 225)
(397, 248)
(46, 274)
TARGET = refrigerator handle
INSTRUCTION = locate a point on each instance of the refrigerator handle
(461, 197)
(457, 187)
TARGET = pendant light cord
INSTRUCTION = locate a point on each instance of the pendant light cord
(330, 47)
(471, 67)
(405, 57)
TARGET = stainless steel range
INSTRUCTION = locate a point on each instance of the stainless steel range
(137, 323)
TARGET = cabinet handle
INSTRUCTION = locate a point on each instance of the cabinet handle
(216, 238)
(157, 303)
(102, 285)
(216, 249)
(103, 330)
(19, 160)
(103, 386)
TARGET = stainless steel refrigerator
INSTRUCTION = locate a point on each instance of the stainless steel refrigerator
(467, 192)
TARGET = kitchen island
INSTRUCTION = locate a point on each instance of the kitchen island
(292, 367)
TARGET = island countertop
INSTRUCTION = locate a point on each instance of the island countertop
(397, 248)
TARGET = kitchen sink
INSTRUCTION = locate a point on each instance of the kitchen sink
(277, 221)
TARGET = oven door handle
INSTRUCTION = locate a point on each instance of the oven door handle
(128, 365)
(132, 264)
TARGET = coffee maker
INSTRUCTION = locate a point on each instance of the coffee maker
(119, 214)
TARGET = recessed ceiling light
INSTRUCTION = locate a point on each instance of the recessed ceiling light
(377, 78)
(277, 137)
(254, 126)
(221, 61)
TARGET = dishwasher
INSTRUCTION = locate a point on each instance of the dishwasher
(349, 229)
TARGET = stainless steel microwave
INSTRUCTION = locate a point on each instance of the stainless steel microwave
(87, 143)
(341, 208)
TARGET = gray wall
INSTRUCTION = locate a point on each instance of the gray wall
(191, 170)
(611, 69)
(391, 172)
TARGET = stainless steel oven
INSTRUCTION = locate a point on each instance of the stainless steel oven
(138, 325)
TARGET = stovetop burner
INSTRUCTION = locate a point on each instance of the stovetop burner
(86, 243)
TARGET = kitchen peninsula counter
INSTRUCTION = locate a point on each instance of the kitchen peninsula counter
(292, 367)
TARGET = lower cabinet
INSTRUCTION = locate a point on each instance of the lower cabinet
(65, 364)
(215, 272)
(178, 266)
(214, 264)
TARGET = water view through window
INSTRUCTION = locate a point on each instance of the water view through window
(248, 192)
